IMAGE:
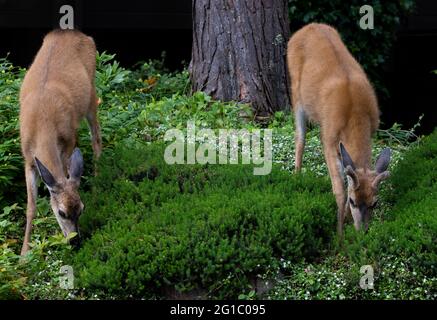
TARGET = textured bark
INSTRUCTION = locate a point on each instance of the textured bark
(239, 52)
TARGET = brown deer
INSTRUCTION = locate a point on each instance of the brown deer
(330, 88)
(58, 91)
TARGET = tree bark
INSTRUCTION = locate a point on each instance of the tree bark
(239, 52)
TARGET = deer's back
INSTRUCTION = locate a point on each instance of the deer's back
(58, 87)
(330, 82)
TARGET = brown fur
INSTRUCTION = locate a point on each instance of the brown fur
(58, 91)
(330, 88)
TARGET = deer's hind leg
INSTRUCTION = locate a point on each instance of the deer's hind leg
(300, 118)
(299, 136)
(93, 123)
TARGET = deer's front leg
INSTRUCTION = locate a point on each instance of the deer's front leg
(337, 184)
(31, 178)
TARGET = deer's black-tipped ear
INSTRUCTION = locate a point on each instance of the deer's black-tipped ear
(45, 174)
(76, 165)
(383, 160)
(346, 159)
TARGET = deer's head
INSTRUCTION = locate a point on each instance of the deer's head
(64, 195)
(362, 186)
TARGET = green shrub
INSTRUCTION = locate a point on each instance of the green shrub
(175, 111)
(11, 170)
(415, 177)
(337, 277)
(195, 227)
(37, 275)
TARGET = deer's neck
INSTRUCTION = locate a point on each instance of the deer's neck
(357, 139)
(49, 153)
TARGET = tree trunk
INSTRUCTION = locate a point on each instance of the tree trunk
(239, 52)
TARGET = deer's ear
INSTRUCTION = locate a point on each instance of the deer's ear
(352, 178)
(76, 165)
(45, 174)
(383, 161)
(346, 159)
(380, 177)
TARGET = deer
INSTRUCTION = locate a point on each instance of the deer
(57, 93)
(330, 88)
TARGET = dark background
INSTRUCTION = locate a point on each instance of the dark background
(134, 30)
(140, 30)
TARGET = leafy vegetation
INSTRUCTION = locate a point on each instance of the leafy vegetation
(11, 172)
(192, 227)
(163, 229)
